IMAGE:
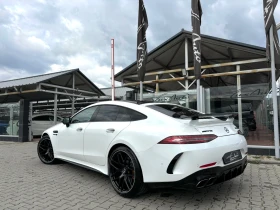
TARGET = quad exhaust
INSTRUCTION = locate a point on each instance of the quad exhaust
(206, 182)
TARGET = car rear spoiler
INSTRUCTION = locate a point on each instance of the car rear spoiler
(224, 117)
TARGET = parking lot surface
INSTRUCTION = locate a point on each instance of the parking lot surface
(27, 183)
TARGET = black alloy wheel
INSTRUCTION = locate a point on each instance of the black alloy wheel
(45, 150)
(125, 173)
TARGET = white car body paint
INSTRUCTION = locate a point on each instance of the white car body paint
(91, 146)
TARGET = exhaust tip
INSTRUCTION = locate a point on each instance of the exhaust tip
(202, 183)
(211, 181)
(206, 182)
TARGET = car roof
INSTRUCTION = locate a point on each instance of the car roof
(141, 106)
(129, 103)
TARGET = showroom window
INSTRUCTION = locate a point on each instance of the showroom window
(9, 119)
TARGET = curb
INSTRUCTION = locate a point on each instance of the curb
(258, 161)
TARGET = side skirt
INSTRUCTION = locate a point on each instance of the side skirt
(82, 165)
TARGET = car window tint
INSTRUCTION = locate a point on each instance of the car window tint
(134, 115)
(41, 118)
(107, 113)
(84, 116)
(123, 115)
(174, 110)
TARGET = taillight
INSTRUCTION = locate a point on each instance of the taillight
(188, 139)
(208, 165)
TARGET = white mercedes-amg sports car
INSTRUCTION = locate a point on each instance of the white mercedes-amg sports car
(146, 145)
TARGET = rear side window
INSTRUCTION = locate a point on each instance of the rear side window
(174, 110)
(107, 113)
(134, 115)
(112, 113)
(123, 115)
(126, 114)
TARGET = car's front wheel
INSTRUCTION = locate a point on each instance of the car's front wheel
(45, 150)
(125, 173)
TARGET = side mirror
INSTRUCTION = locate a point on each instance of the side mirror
(66, 121)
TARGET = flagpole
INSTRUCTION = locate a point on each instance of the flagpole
(274, 93)
(141, 90)
(198, 102)
(196, 14)
(141, 50)
(113, 69)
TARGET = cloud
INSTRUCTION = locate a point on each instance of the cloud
(42, 36)
(7, 74)
(72, 25)
(38, 43)
(100, 74)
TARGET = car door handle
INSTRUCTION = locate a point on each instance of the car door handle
(79, 129)
(110, 130)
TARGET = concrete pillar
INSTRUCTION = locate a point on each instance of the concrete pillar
(24, 120)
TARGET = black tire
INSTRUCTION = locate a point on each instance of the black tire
(45, 150)
(125, 173)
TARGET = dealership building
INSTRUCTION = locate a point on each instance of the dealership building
(236, 81)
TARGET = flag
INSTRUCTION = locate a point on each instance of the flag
(196, 14)
(141, 41)
(269, 6)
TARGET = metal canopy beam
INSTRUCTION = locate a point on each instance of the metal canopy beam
(203, 67)
(171, 75)
(151, 59)
(235, 47)
(202, 76)
(204, 59)
(66, 88)
(230, 53)
(217, 51)
(175, 53)
(166, 67)
(147, 86)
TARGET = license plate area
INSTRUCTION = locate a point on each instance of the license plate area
(232, 156)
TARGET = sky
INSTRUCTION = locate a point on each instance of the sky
(44, 36)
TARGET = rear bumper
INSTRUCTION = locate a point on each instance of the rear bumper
(158, 166)
(207, 177)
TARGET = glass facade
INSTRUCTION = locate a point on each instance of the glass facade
(255, 108)
(9, 119)
(253, 103)
(182, 97)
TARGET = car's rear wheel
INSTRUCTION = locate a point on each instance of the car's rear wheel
(45, 150)
(125, 173)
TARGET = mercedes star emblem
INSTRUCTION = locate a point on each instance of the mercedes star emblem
(226, 130)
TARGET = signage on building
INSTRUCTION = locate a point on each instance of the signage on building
(170, 98)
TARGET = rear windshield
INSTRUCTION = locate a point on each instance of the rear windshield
(175, 110)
